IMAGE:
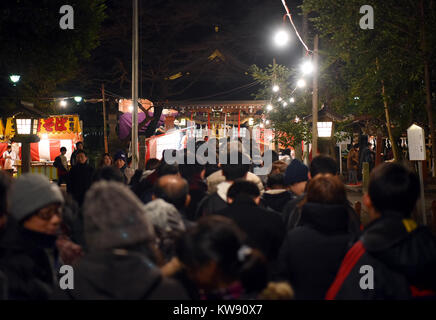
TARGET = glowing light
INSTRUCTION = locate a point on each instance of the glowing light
(131, 108)
(324, 129)
(292, 100)
(276, 88)
(279, 99)
(63, 103)
(285, 103)
(301, 83)
(250, 121)
(297, 119)
(307, 67)
(269, 107)
(78, 99)
(267, 122)
(14, 78)
(281, 38)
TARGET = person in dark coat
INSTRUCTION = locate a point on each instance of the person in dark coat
(73, 159)
(321, 164)
(395, 258)
(265, 229)
(80, 178)
(217, 201)
(313, 251)
(28, 254)
(276, 196)
(122, 259)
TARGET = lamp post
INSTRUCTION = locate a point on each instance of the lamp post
(25, 133)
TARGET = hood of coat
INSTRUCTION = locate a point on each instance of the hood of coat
(115, 274)
(325, 218)
(222, 189)
(402, 246)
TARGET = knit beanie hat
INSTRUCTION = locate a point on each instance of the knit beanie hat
(165, 217)
(114, 217)
(296, 172)
(32, 192)
(120, 155)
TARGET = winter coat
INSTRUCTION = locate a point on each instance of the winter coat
(402, 258)
(80, 179)
(120, 274)
(29, 261)
(353, 160)
(312, 252)
(217, 177)
(292, 215)
(197, 191)
(264, 229)
(276, 199)
(214, 202)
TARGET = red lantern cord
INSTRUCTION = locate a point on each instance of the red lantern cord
(288, 14)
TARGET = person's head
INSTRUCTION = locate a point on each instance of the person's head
(81, 157)
(278, 166)
(36, 203)
(9, 148)
(323, 164)
(168, 224)
(214, 255)
(274, 156)
(173, 189)
(63, 150)
(5, 183)
(106, 160)
(120, 159)
(356, 146)
(114, 218)
(393, 188)
(152, 164)
(296, 176)
(191, 170)
(243, 189)
(239, 169)
(326, 189)
(275, 181)
(108, 174)
(167, 169)
(79, 145)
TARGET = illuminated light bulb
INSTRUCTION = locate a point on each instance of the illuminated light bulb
(78, 99)
(63, 103)
(285, 103)
(279, 99)
(307, 67)
(269, 107)
(301, 83)
(292, 100)
(276, 88)
(281, 38)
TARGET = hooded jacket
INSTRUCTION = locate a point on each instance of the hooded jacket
(276, 199)
(312, 252)
(400, 256)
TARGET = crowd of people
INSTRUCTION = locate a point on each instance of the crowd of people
(213, 231)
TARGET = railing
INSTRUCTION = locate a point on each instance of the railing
(45, 168)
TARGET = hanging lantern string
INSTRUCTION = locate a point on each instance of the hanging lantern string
(288, 14)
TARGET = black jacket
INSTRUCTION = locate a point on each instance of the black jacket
(210, 204)
(29, 261)
(292, 215)
(401, 255)
(264, 229)
(80, 179)
(312, 252)
(276, 201)
(106, 275)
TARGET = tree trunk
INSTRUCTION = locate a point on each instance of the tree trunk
(428, 104)
(388, 119)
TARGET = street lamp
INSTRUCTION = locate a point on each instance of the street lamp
(307, 67)
(281, 38)
(25, 133)
(301, 83)
(324, 129)
(14, 78)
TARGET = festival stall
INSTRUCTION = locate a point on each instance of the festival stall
(54, 132)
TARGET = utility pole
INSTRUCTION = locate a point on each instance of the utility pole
(134, 141)
(315, 99)
(106, 149)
